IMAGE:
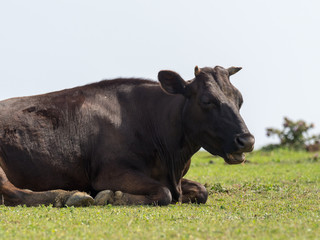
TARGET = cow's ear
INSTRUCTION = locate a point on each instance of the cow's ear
(233, 70)
(171, 82)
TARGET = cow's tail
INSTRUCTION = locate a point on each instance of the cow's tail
(3, 181)
(3, 178)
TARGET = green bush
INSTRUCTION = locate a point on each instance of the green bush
(293, 135)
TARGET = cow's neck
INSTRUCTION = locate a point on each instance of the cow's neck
(174, 146)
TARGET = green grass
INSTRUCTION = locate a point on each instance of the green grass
(276, 195)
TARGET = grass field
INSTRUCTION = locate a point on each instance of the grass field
(276, 195)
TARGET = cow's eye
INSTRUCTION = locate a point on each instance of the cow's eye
(207, 102)
(240, 102)
(240, 105)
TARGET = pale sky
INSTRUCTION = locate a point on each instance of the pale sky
(53, 45)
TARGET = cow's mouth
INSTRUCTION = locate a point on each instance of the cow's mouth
(234, 158)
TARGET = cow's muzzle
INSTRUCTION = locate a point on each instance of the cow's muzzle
(244, 142)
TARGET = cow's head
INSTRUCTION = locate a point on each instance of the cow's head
(211, 113)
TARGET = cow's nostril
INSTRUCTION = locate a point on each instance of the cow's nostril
(240, 142)
(245, 142)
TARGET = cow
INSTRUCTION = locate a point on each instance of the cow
(121, 141)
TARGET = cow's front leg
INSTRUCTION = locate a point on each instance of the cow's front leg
(193, 192)
(132, 188)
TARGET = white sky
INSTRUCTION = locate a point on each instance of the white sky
(52, 45)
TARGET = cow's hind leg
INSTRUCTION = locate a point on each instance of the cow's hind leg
(134, 188)
(13, 196)
(193, 192)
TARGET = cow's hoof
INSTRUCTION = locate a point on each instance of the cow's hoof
(104, 197)
(119, 198)
(79, 199)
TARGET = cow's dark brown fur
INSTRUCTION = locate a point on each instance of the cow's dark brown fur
(131, 136)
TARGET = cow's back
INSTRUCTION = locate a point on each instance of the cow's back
(57, 140)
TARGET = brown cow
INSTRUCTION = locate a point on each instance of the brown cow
(124, 141)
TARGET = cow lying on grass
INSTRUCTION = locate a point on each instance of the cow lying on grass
(124, 141)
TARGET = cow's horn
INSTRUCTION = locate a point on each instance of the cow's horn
(233, 70)
(196, 70)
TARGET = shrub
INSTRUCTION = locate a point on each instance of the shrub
(294, 134)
